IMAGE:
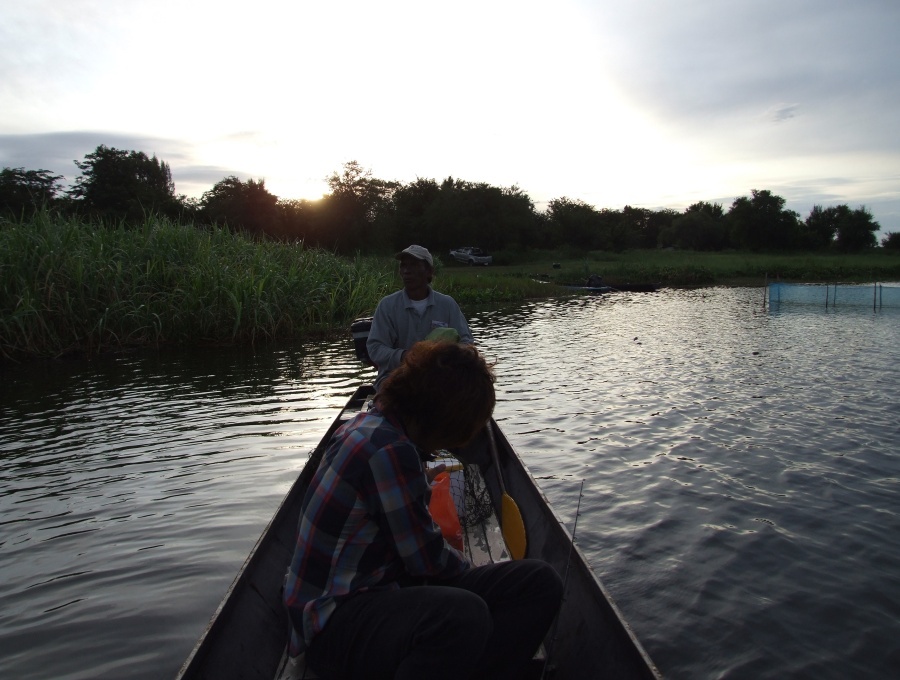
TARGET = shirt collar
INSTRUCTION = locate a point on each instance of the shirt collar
(398, 425)
(409, 303)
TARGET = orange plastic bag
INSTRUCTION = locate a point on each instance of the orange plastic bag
(443, 510)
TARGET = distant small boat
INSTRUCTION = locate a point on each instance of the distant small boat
(248, 634)
(618, 288)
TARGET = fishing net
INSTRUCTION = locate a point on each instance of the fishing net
(470, 494)
(874, 296)
(473, 503)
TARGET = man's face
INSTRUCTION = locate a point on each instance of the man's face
(414, 273)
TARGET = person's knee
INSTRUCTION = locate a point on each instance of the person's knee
(470, 619)
(458, 615)
(542, 583)
(540, 575)
(550, 578)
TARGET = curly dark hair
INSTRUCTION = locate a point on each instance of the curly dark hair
(442, 389)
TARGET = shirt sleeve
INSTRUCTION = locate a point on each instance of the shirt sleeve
(460, 324)
(401, 506)
(382, 344)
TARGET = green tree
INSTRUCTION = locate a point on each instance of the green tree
(465, 213)
(125, 185)
(242, 205)
(840, 227)
(298, 219)
(411, 203)
(701, 227)
(658, 222)
(370, 193)
(891, 241)
(546, 231)
(350, 212)
(820, 227)
(22, 192)
(761, 222)
(517, 224)
(634, 229)
(457, 213)
(612, 231)
(578, 223)
(855, 229)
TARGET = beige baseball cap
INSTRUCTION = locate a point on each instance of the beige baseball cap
(417, 252)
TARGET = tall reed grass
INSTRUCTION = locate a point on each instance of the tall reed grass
(71, 286)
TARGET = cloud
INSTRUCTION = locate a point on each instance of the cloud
(58, 151)
(782, 112)
(648, 103)
(706, 66)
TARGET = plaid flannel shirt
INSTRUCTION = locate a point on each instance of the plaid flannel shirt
(364, 524)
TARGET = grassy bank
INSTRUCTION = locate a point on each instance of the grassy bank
(674, 269)
(68, 286)
(72, 287)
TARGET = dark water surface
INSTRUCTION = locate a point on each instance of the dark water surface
(741, 473)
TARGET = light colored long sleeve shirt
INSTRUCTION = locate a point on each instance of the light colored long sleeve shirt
(397, 326)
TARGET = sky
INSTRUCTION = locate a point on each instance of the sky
(649, 103)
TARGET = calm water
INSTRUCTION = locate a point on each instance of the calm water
(740, 467)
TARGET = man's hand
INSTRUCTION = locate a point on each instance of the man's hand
(433, 472)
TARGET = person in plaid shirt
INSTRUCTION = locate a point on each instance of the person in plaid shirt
(373, 590)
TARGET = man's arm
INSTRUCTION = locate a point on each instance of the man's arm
(461, 325)
(383, 339)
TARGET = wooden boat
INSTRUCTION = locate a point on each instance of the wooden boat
(248, 633)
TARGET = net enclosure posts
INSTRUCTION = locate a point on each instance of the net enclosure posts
(875, 296)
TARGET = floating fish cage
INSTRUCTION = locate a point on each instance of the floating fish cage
(875, 296)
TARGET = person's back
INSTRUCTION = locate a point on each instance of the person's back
(373, 589)
(411, 314)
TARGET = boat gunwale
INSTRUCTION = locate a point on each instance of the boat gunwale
(193, 664)
(523, 482)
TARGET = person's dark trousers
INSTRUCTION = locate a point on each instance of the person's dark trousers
(486, 623)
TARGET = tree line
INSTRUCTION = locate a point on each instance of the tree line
(362, 213)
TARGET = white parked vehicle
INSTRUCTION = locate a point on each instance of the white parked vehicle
(471, 256)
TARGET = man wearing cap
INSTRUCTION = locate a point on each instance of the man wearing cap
(411, 314)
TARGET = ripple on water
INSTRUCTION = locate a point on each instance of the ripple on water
(740, 471)
(740, 481)
(133, 488)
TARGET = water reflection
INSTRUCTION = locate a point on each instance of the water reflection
(720, 444)
(132, 487)
(740, 480)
